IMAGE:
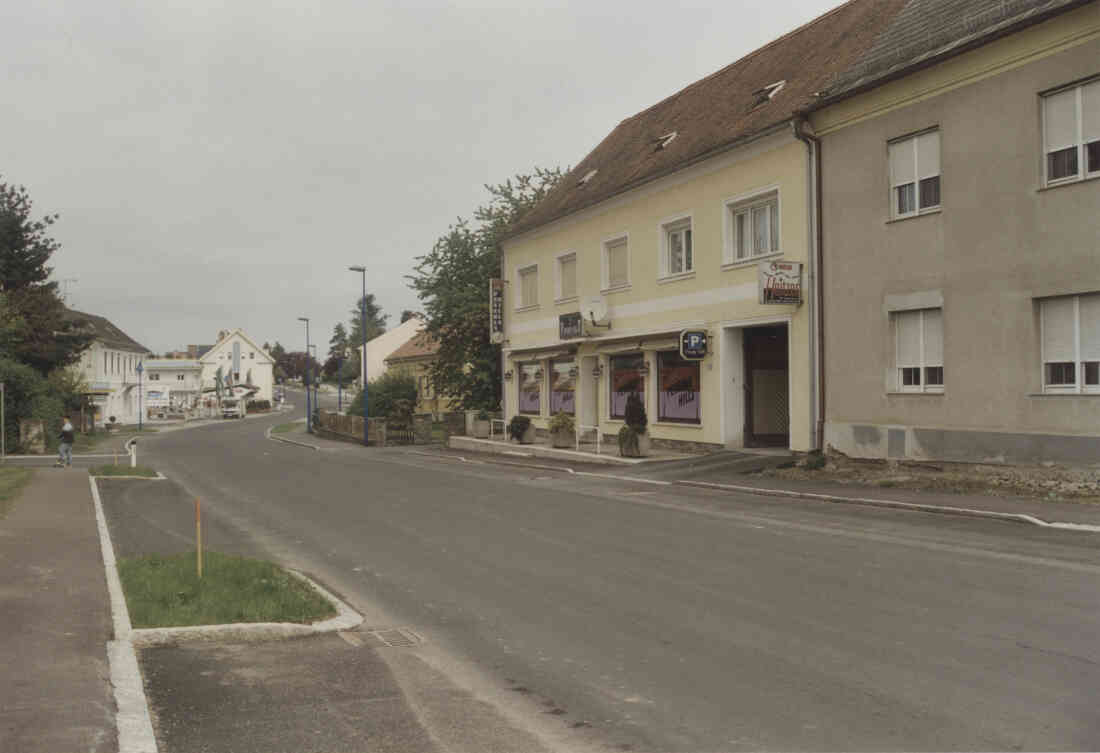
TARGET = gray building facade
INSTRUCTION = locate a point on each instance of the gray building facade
(961, 245)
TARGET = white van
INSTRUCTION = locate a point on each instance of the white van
(232, 407)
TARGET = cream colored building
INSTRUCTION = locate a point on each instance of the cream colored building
(665, 227)
(240, 361)
(961, 167)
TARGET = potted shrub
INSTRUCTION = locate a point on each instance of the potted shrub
(481, 424)
(563, 431)
(111, 423)
(633, 440)
(521, 429)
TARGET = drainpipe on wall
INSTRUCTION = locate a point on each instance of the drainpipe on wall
(803, 131)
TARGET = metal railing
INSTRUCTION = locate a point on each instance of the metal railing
(581, 428)
(503, 427)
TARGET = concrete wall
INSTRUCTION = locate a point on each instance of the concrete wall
(1001, 241)
(651, 311)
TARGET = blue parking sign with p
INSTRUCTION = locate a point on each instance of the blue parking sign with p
(693, 344)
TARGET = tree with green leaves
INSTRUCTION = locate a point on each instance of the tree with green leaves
(38, 330)
(408, 314)
(338, 343)
(452, 281)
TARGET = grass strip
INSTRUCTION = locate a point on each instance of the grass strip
(12, 481)
(284, 428)
(122, 470)
(166, 592)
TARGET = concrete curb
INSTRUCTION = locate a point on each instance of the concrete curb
(135, 727)
(792, 494)
(269, 435)
(893, 504)
(252, 632)
(159, 477)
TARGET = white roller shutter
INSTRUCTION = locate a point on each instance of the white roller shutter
(1089, 311)
(617, 265)
(908, 338)
(902, 163)
(1058, 336)
(1090, 111)
(1060, 120)
(933, 337)
(569, 277)
(928, 154)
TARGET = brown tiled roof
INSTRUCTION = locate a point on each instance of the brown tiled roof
(105, 332)
(418, 347)
(927, 31)
(721, 110)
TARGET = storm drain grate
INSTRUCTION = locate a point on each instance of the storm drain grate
(397, 637)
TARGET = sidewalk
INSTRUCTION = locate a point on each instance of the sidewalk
(54, 615)
(733, 472)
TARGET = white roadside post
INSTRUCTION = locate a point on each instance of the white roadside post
(132, 446)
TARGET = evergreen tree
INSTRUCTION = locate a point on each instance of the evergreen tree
(376, 321)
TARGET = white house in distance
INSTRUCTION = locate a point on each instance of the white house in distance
(172, 382)
(108, 369)
(380, 348)
(241, 361)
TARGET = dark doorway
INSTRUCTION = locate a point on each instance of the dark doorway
(767, 387)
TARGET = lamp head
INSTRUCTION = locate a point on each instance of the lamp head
(358, 269)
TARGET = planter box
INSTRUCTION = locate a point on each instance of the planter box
(481, 429)
(644, 444)
(563, 439)
(528, 435)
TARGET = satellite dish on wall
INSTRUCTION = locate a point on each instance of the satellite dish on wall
(595, 310)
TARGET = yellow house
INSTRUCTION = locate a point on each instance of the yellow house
(415, 359)
(692, 217)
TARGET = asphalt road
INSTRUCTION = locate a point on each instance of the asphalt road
(616, 615)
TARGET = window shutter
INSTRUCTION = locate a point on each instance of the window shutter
(928, 155)
(908, 331)
(569, 277)
(530, 287)
(902, 164)
(1060, 111)
(1058, 329)
(616, 265)
(1090, 111)
(933, 337)
(1089, 307)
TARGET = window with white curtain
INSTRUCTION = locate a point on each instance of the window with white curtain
(1070, 328)
(915, 174)
(1071, 133)
(528, 287)
(753, 228)
(676, 251)
(616, 264)
(918, 337)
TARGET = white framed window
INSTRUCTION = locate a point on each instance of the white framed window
(918, 350)
(1071, 133)
(154, 377)
(616, 263)
(179, 377)
(527, 287)
(1070, 327)
(566, 280)
(677, 254)
(915, 174)
(752, 227)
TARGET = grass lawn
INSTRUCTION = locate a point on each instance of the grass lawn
(123, 469)
(166, 592)
(284, 428)
(12, 480)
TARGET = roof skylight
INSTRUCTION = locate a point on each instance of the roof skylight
(587, 177)
(665, 140)
(761, 96)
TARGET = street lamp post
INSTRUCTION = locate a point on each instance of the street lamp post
(315, 378)
(309, 412)
(363, 327)
(141, 409)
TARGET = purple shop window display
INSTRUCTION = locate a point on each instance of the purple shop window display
(678, 406)
(562, 401)
(529, 401)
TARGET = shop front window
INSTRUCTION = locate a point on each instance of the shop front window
(626, 379)
(678, 389)
(563, 387)
(529, 388)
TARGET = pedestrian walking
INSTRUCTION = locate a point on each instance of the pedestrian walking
(65, 446)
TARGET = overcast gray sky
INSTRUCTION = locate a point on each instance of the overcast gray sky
(220, 164)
